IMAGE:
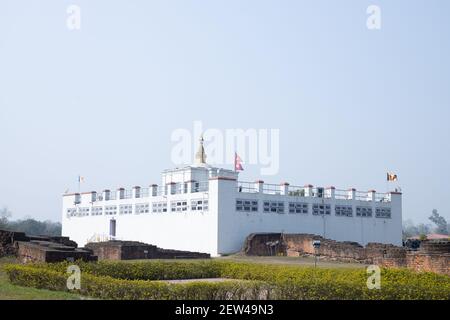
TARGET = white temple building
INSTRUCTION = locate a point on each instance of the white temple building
(207, 209)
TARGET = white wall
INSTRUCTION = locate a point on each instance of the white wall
(235, 226)
(222, 230)
(192, 231)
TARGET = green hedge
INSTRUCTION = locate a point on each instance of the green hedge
(119, 289)
(135, 280)
(143, 270)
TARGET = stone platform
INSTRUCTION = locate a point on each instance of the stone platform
(130, 250)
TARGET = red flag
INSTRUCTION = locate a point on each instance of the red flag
(237, 163)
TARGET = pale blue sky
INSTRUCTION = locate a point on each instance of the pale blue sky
(350, 103)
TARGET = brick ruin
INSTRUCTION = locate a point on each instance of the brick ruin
(129, 250)
(41, 248)
(55, 249)
(431, 256)
(45, 251)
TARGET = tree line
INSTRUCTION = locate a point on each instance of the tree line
(28, 225)
(49, 228)
(438, 225)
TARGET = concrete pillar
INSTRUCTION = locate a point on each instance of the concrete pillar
(259, 186)
(171, 188)
(154, 190)
(330, 192)
(220, 209)
(93, 196)
(309, 190)
(136, 192)
(106, 195)
(396, 216)
(121, 193)
(371, 194)
(284, 188)
(352, 193)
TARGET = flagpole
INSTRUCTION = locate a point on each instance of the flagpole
(387, 183)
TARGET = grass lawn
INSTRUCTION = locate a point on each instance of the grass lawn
(300, 261)
(278, 260)
(9, 291)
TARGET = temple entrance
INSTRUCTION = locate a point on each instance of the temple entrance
(112, 228)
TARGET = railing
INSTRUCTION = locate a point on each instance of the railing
(382, 197)
(178, 189)
(312, 192)
(249, 187)
(295, 191)
(271, 188)
(144, 193)
(341, 194)
(159, 191)
(362, 196)
(128, 194)
(102, 238)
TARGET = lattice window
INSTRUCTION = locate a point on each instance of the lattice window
(159, 207)
(178, 206)
(97, 211)
(110, 210)
(298, 207)
(365, 212)
(343, 211)
(321, 209)
(273, 206)
(71, 212)
(126, 209)
(142, 208)
(199, 205)
(383, 213)
(246, 205)
(84, 211)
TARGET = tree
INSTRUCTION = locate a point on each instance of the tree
(29, 225)
(36, 228)
(4, 215)
(411, 230)
(440, 222)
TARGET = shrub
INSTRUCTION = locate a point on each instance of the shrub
(118, 289)
(141, 280)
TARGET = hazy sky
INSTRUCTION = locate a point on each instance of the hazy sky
(103, 101)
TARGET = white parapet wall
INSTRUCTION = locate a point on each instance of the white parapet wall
(215, 216)
(349, 215)
(148, 219)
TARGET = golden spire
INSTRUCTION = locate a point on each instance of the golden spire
(200, 156)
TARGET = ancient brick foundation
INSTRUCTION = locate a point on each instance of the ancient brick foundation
(432, 256)
(44, 251)
(9, 240)
(129, 250)
(264, 244)
(41, 248)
